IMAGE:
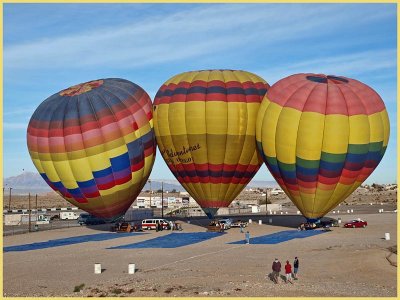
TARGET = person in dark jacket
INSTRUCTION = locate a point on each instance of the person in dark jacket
(276, 269)
(295, 267)
(288, 272)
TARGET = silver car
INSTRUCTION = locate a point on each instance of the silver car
(227, 223)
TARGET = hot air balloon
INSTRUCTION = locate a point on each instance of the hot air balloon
(204, 123)
(321, 137)
(94, 144)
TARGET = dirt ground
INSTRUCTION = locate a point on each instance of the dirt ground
(342, 262)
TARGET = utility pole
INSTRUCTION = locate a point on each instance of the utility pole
(150, 191)
(37, 212)
(29, 210)
(9, 200)
(162, 200)
(266, 204)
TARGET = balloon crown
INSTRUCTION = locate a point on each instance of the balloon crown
(326, 79)
(81, 88)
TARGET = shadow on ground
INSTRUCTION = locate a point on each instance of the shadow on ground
(289, 221)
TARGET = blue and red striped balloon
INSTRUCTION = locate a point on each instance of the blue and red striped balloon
(94, 144)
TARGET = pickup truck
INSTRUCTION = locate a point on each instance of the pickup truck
(238, 222)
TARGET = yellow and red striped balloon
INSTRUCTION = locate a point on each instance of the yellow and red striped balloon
(321, 137)
(204, 123)
(94, 144)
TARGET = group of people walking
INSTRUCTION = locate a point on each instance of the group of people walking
(289, 273)
(160, 226)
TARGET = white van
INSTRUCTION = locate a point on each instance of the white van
(152, 223)
(68, 215)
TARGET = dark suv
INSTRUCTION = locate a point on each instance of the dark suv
(88, 219)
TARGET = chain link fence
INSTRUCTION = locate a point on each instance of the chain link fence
(24, 228)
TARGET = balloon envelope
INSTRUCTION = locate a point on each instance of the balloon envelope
(94, 144)
(205, 128)
(321, 137)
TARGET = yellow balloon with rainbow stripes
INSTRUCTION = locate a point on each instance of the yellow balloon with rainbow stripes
(321, 137)
(204, 123)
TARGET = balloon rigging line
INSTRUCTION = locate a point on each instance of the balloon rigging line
(188, 258)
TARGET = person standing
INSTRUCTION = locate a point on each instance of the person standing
(241, 227)
(288, 272)
(295, 267)
(276, 269)
(247, 236)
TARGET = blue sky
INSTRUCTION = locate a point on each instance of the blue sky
(49, 47)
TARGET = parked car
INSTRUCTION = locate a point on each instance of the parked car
(226, 222)
(328, 223)
(88, 219)
(238, 222)
(54, 217)
(356, 223)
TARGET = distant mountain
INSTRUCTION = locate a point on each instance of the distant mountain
(174, 184)
(34, 183)
(169, 185)
(262, 184)
(27, 182)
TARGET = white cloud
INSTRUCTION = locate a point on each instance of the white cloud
(202, 31)
(342, 65)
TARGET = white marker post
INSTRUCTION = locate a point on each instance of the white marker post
(131, 269)
(387, 236)
(97, 268)
(259, 222)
